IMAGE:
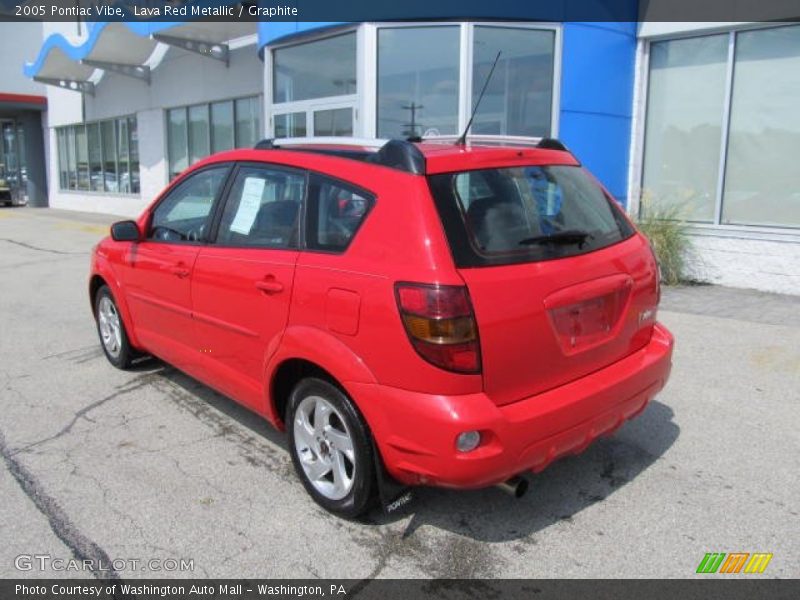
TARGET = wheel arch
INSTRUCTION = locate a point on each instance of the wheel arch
(311, 352)
(97, 280)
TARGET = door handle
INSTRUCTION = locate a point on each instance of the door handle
(269, 286)
(180, 270)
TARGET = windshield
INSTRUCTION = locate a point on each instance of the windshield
(520, 214)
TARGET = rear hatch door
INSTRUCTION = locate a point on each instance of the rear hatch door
(560, 283)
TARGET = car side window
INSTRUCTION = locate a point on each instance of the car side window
(183, 215)
(335, 212)
(263, 208)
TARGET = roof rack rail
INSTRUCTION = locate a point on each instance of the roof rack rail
(374, 143)
(487, 139)
(396, 154)
(499, 140)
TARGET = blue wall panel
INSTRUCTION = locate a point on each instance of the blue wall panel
(597, 98)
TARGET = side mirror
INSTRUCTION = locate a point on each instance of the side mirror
(125, 231)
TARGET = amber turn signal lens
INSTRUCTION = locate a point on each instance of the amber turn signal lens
(441, 331)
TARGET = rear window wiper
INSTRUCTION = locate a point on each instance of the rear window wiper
(568, 236)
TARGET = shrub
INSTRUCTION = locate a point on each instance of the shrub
(668, 234)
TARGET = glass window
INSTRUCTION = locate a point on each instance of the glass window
(684, 124)
(72, 164)
(248, 122)
(290, 125)
(194, 132)
(519, 97)
(111, 175)
(222, 126)
(123, 156)
(418, 74)
(63, 161)
(330, 122)
(199, 143)
(263, 208)
(762, 181)
(532, 212)
(335, 212)
(316, 69)
(23, 158)
(133, 145)
(101, 157)
(177, 141)
(95, 157)
(183, 214)
(82, 157)
(10, 154)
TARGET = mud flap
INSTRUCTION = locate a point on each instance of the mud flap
(393, 495)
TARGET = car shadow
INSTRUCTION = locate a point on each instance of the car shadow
(556, 495)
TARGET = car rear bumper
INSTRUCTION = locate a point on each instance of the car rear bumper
(416, 432)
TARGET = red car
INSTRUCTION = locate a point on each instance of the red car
(413, 313)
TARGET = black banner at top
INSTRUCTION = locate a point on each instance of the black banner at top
(328, 11)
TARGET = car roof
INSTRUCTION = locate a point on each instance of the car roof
(443, 157)
(420, 157)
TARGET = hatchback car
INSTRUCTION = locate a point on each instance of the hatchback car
(412, 313)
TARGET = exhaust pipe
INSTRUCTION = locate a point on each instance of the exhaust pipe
(516, 487)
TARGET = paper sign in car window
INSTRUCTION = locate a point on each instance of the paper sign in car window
(249, 205)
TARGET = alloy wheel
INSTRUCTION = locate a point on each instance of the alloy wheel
(325, 447)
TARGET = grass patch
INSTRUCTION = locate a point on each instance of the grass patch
(668, 234)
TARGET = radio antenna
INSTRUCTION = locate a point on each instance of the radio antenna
(463, 139)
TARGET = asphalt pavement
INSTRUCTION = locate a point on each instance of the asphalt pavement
(161, 476)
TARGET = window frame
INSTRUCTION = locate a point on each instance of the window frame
(210, 219)
(70, 135)
(258, 98)
(364, 102)
(466, 83)
(212, 237)
(641, 106)
(371, 197)
(311, 105)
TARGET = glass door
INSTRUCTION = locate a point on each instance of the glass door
(13, 175)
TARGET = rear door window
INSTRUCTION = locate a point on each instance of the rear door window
(523, 214)
(335, 212)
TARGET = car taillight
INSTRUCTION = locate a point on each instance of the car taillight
(658, 272)
(441, 325)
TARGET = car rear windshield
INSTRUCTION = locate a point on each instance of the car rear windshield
(525, 214)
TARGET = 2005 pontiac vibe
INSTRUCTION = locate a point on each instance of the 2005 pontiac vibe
(415, 312)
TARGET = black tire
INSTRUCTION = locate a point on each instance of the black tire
(361, 495)
(122, 358)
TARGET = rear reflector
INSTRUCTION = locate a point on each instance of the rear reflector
(441, 325)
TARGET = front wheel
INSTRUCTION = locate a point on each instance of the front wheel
(111, 330)
(331, 448)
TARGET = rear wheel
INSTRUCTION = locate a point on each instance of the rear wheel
(111, 330)
(331, 448)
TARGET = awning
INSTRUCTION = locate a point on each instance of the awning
(126, 48)
(59, 69)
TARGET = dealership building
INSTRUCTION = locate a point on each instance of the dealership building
(699, 119)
